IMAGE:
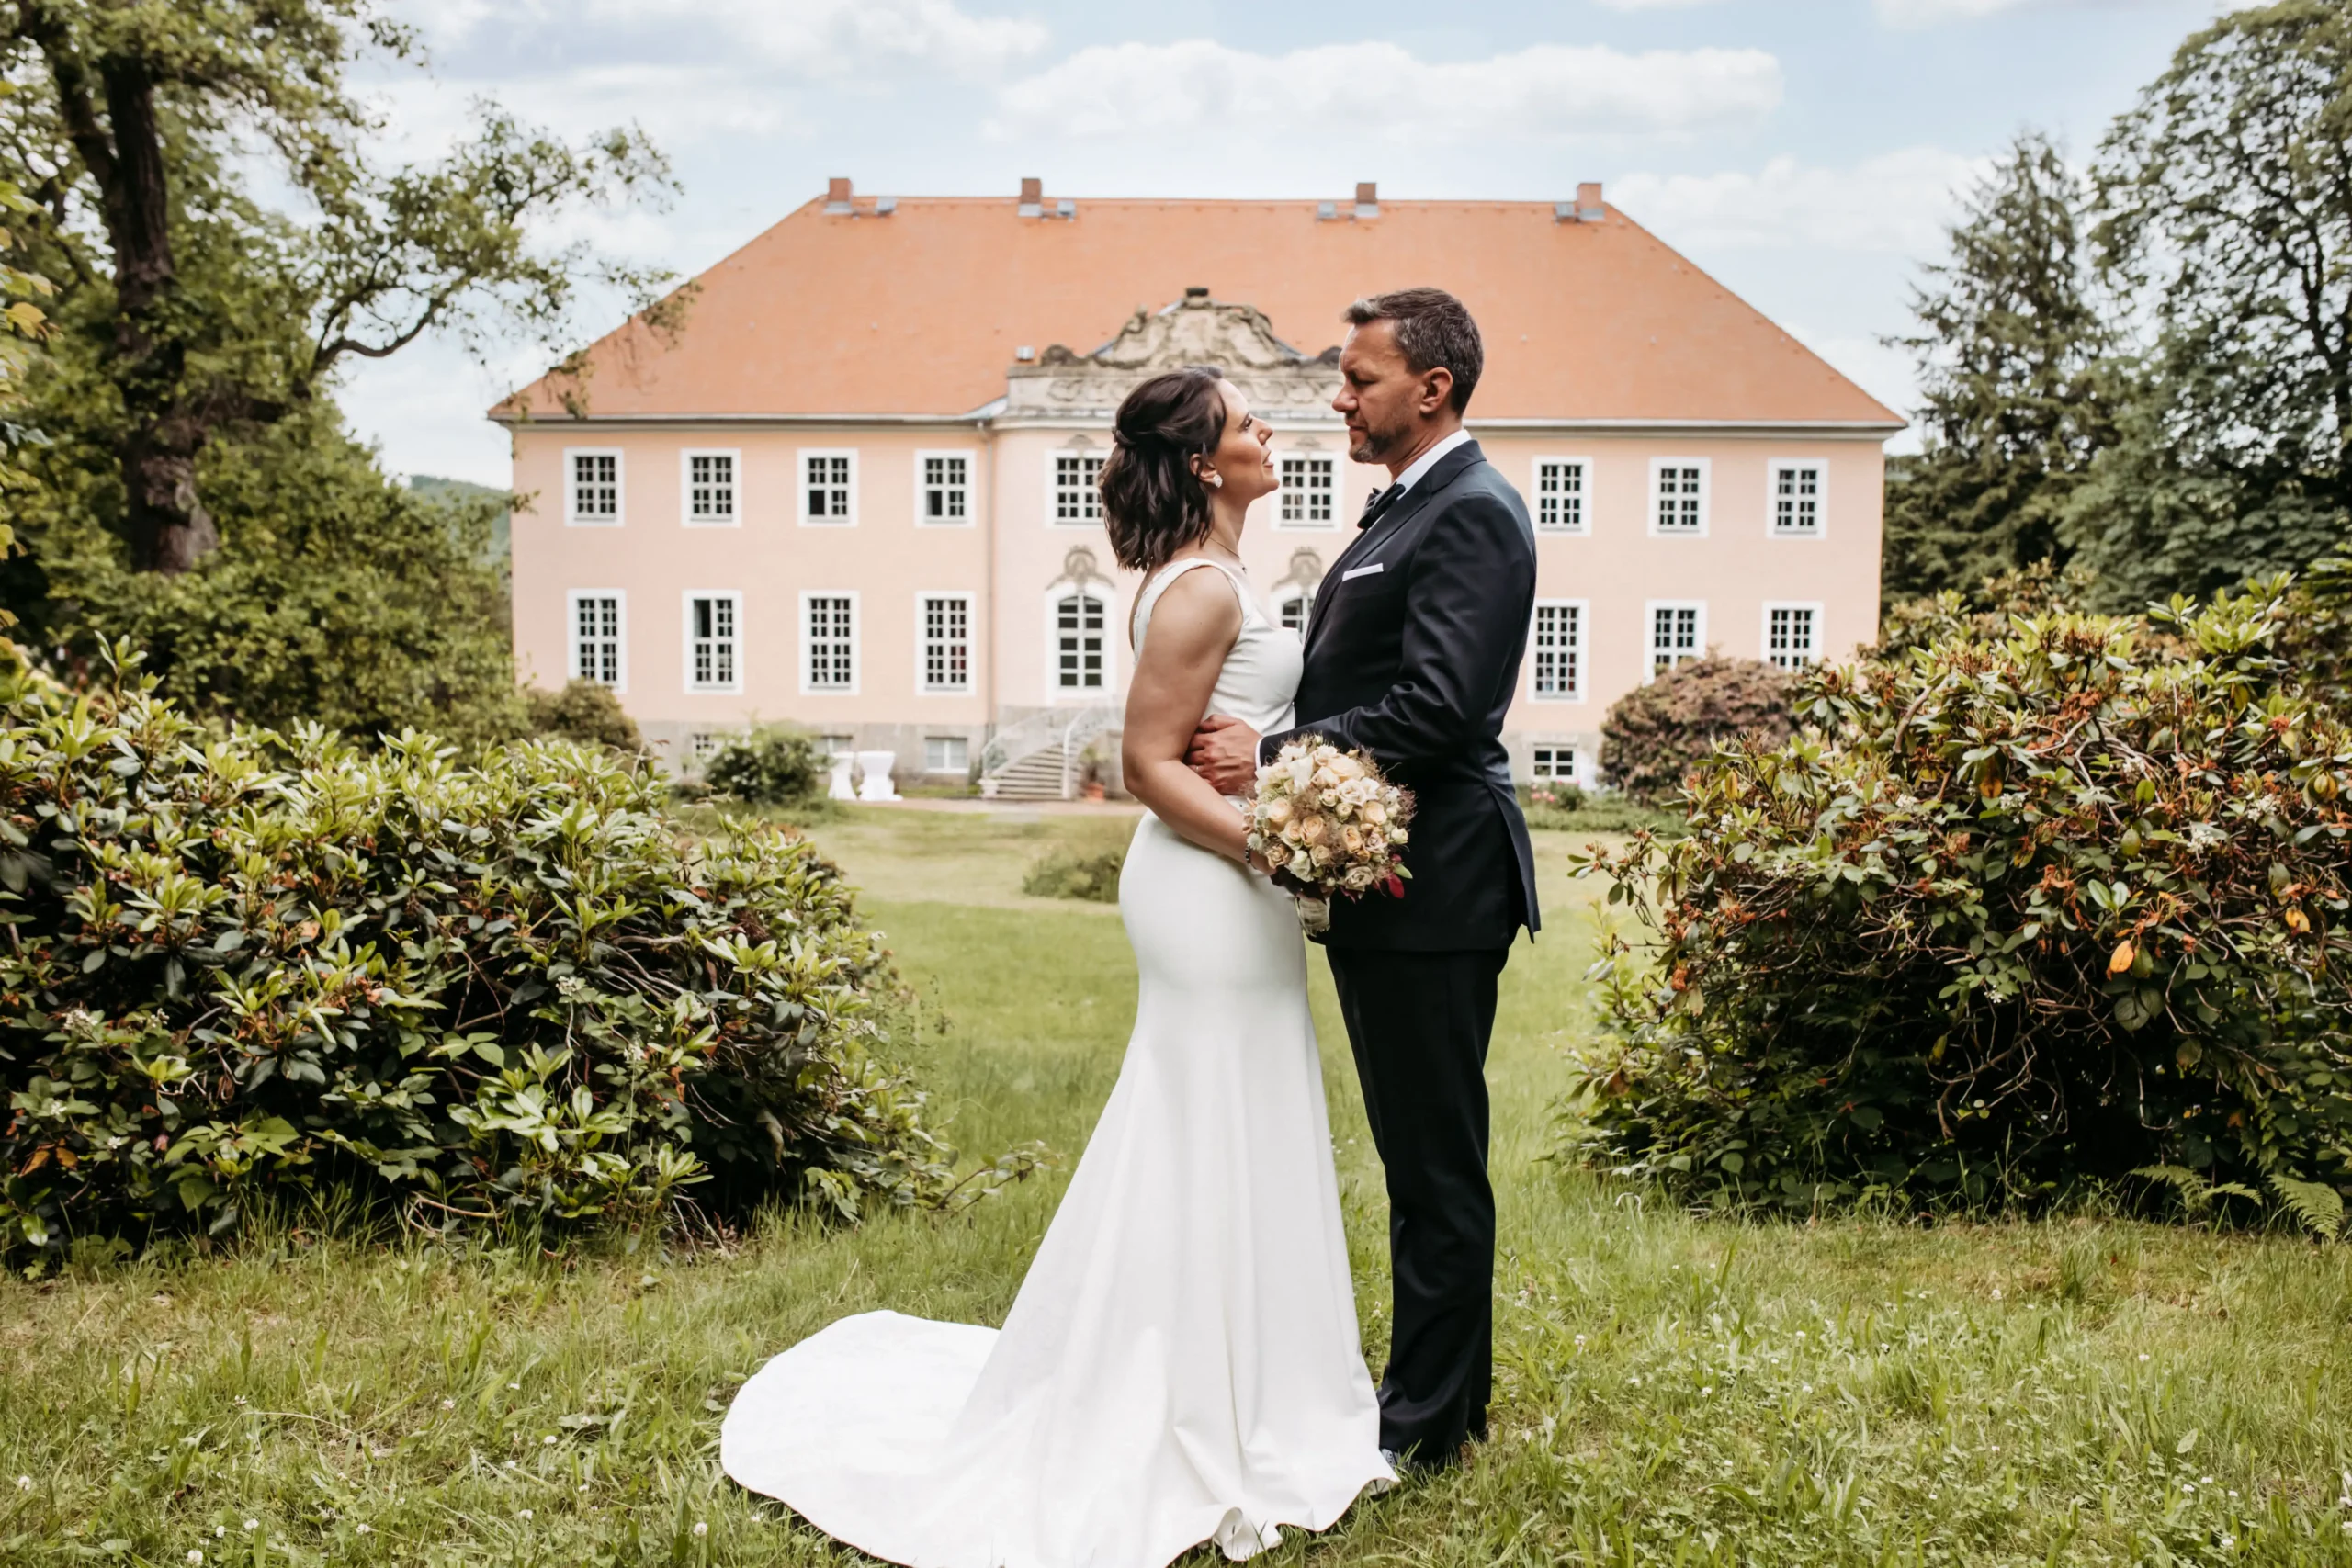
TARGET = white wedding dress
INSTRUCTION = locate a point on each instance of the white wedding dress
(1182, 1364)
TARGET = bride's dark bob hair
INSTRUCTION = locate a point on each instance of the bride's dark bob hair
(1152, 501)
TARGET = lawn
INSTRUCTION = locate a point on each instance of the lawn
(1671, 1389)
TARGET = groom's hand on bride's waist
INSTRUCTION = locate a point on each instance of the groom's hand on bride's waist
(1225, 752)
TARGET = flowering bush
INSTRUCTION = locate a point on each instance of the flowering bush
(244, 960)
(1653, 735)
(2014, 911)
(1327, 823)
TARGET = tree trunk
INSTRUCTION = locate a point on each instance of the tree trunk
(170, 530)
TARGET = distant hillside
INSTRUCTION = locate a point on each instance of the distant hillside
(435, 488)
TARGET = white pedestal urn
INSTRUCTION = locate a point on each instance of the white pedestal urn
(874, 769)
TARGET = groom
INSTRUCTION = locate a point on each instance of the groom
(1412, 656)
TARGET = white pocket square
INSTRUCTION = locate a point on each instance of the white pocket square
(1355, 571)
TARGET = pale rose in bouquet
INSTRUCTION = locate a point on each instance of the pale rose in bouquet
(1326, 820)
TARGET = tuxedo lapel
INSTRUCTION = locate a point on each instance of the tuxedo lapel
(1391, 522)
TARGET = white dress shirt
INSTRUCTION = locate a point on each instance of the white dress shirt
(1421, 465)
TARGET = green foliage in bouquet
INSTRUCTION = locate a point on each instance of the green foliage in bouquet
(773, 766)
(1653, 735)
(242, 962)
(2013, 913)
(585, 711)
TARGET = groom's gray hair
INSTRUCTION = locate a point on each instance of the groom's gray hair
(1432, 329)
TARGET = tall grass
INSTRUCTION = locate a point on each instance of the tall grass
(1670, 1389)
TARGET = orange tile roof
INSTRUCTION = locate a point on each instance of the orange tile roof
(920, 311)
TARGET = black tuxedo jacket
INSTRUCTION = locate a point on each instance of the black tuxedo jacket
(1412, 656)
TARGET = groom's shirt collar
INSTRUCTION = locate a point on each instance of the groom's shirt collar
(1421, 465)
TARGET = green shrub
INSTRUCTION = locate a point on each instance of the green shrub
(2014, 914)
(773, 766)
(337, 595)
(1072, 873)
(1655, 735)
(585, 711)
(244, 960)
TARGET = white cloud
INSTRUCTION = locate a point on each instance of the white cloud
(1352, 89)
(800, 38)
(835, 38)
(1928, 13)
(1897, 203)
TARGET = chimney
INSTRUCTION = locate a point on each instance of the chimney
(837, 194)
(1589, 208)
(1033, 198)
(1367, 198)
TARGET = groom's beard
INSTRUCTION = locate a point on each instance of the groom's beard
(1376, 444)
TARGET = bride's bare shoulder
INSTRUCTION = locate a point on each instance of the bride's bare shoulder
(1197, 614)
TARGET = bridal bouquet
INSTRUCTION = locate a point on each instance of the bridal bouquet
(1326, 820)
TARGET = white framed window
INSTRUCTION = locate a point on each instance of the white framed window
(1563, 494)
(598, 632)
(711, 482)
(942, 489)
(1077, 489)
(946, 755)
(1081, 659)
(1678, 496)
(1792, 634)
(1556, 650)
(943, 662)
(705, 744)
(829, 644)
(835, 745)
(1308, 484)
(1678, 634)
(1295, 609)
(827, 487)
(1553, 762)
(1800, 499)
(592, 486)
(714, 639)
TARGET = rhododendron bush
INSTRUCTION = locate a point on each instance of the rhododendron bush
(2020, 908)
(243, 962)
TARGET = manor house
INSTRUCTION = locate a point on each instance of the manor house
(855, 486)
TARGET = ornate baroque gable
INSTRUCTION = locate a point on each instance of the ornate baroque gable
(1280, 381)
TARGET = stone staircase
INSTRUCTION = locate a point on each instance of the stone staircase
(1036, 758)
(1038, 776)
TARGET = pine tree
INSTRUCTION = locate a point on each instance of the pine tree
(2011, 349)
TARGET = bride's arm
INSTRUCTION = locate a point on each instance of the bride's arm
(1193, 628)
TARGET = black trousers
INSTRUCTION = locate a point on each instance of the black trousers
(1420, 1024)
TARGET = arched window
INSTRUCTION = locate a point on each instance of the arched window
(1078, 642)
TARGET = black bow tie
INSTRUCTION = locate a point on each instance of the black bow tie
(1378, 503)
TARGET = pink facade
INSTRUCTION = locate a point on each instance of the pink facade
(912, 582)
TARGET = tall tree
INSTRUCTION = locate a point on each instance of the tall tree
(2010, 348)
(2225, 195)
(132, 111)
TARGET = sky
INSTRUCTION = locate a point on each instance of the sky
(1806, 152)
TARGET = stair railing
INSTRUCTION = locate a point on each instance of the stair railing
(1072, 728)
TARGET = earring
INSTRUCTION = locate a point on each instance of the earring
(1214, 481)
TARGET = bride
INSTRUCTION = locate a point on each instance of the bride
(1182, 1364)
